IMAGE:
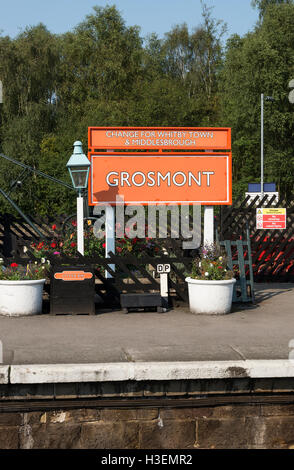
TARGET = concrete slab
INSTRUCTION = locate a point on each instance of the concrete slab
(149, 371)
(4, 374)
(262, 331)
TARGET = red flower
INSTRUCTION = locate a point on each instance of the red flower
(53, 245)
(54, 227)
(104, 245)
(14, 265)
(74, 224)
(73, 244)
(119, 249)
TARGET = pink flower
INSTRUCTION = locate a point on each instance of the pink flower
(56, 253)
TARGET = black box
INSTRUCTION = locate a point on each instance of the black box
(72, 290)
(145, 300)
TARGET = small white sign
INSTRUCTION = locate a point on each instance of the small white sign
(163, 268)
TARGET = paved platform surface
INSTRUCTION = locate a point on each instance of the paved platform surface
(260, 331)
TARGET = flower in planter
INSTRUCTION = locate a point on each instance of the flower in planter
(211, 264)
(32, 271)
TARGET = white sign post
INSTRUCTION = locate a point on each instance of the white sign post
(208, 236)
(109, 236)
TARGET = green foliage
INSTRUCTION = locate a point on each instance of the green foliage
(104, 74)
(65, 244)
(261, 62)
(262, 5)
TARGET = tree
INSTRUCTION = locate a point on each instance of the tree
(28, 69)
(193, 60)
(261, 62)
(100, 59)
(262, 5)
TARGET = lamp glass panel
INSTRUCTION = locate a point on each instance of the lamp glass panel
(79, 177)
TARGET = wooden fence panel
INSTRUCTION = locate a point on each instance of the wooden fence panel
(272, 250)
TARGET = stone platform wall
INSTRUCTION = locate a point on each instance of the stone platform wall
(203, 414)
(229, 427)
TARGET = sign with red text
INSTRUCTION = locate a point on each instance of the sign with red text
(275, 219)
(163, 138)
(169, 178)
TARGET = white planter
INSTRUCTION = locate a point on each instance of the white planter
(210, 297)
(21, 297)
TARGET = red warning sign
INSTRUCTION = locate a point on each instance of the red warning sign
(274, 219)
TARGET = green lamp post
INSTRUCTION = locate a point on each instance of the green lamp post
(79, 166)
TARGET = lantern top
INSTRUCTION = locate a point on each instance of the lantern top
(78, 158)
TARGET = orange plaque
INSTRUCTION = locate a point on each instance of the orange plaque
(73, 275)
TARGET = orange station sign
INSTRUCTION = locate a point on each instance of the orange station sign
(160, 177)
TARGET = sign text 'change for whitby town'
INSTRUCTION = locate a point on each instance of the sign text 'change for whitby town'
(157, 137)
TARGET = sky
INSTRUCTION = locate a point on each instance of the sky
(158, 16)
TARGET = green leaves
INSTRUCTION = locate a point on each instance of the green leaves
(261, 62)
(104, 74)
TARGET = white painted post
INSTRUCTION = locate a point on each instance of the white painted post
(164, 289)
(80, 224)
(109, 236)
(208, 236)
